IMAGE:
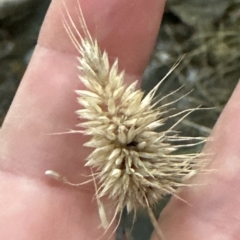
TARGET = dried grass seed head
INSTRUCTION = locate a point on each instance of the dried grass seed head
(133, 164)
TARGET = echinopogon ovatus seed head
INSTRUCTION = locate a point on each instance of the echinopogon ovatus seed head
(134, 165)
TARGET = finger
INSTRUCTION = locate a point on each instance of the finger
(212, 212)
(126, 31)
(45, 102)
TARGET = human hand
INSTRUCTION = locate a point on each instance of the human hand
(33, 206)
(45, 104)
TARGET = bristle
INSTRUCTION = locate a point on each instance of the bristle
(134, 165)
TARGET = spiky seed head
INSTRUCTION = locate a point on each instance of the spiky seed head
(131, 160)
(133, 164)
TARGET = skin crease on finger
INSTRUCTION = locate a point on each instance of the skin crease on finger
(45, 103)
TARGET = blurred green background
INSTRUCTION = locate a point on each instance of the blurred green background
(206, 31)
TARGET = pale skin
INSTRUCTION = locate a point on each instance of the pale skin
(36, 207)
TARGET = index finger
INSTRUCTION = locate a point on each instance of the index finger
(45, 102)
